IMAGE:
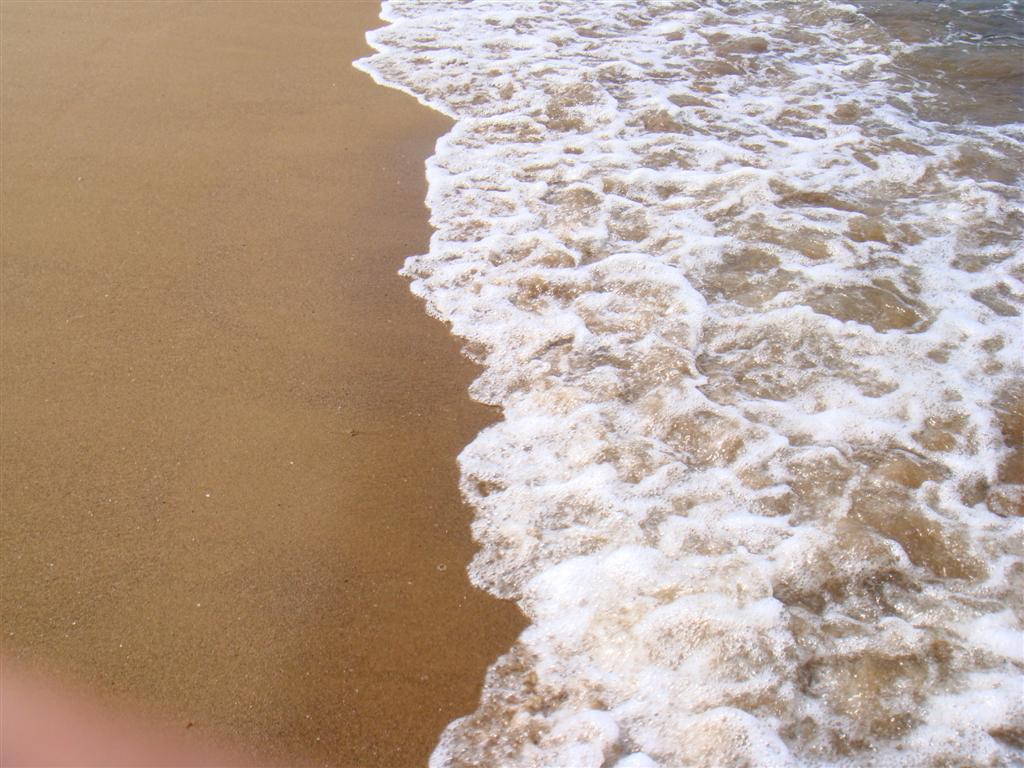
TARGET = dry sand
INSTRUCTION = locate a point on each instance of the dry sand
(228, 430)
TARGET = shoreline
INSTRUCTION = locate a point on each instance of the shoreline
(220, 398)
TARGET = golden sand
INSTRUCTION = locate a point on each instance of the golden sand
(228, 429)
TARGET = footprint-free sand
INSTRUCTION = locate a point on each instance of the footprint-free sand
(228, 430)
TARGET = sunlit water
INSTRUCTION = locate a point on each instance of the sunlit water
(746, 280)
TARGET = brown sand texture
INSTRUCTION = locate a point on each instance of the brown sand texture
(228, 430)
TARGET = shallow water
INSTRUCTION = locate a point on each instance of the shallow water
(746, 280)
(969, 54)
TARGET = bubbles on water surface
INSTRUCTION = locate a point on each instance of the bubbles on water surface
(751, 307)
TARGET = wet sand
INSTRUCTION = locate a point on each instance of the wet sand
(228, 429)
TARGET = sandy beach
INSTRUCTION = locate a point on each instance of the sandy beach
(228, 429)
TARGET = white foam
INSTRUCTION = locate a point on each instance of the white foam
(754, 325)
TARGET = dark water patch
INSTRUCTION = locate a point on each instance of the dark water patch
(969, 53)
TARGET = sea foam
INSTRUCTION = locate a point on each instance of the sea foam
(751, 311)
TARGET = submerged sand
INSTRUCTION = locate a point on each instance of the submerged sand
(228, 429)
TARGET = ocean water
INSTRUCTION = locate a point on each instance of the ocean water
(746, 280)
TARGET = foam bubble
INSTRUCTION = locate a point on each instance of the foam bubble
(752, 313)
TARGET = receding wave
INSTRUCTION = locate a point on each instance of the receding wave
(746, 280)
